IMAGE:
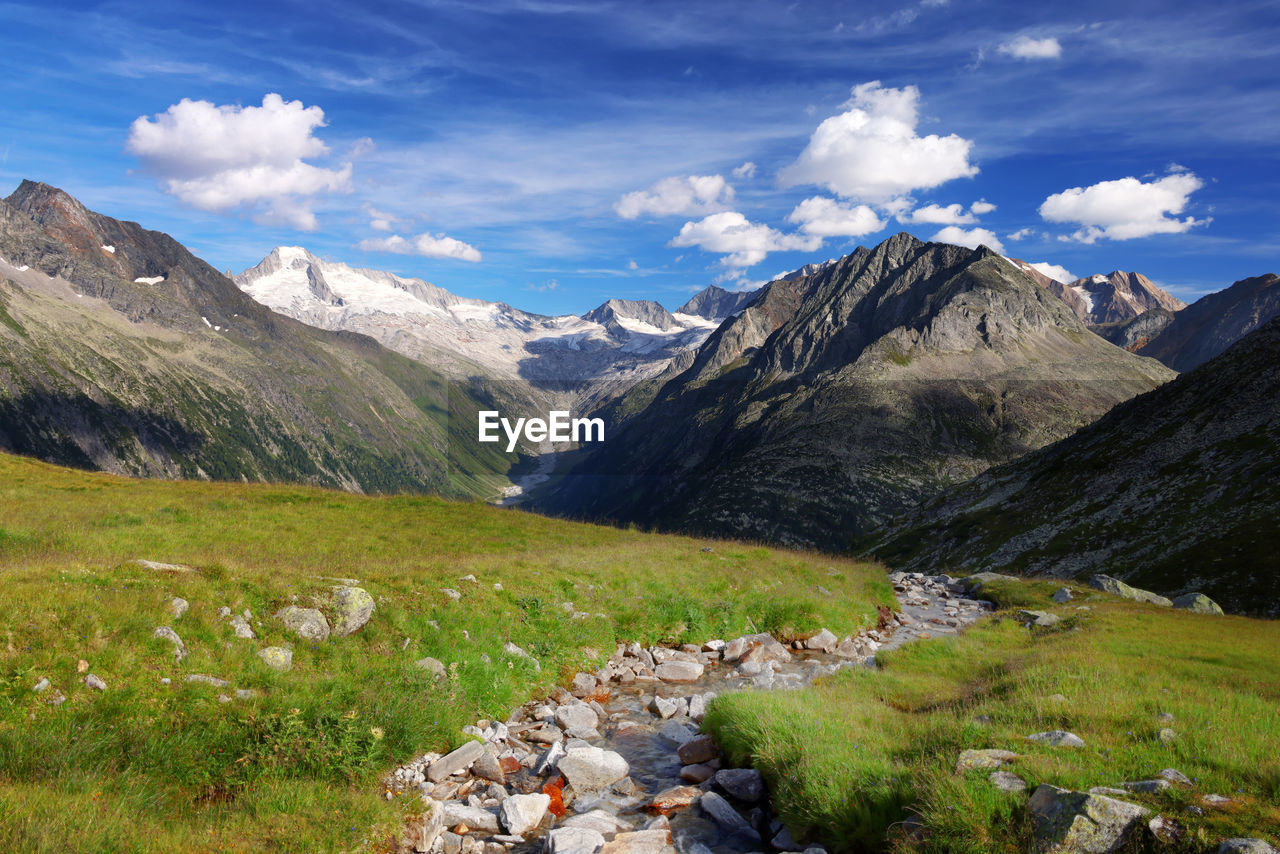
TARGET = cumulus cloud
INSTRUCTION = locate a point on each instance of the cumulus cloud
(972, 238)
(427, 245)
(220, 158)
(1053, 271)
(1021, 234)
(981, 206)
(742, 242)
(682, 196)
(936, 215)
(872, 153)
(1025, 47)
(746, 170)
(1125, 208)
(379, 220)
(828, 218)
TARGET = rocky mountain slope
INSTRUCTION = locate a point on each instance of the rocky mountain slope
(1214, 322)
(838, 399)
(1111, 299)
(715, 303)
(568, 360)
(1175, 490)
(121, 351)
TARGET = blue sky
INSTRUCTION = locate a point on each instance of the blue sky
(553, 153)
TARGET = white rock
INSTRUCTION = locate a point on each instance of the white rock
(574, 840)
(522, 813)
(592, 769)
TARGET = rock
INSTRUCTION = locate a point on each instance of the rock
(276, 657)
(675, 798)
(451, 593)
(1245, 845)
(156, 566)
(1197, 602)
(1116, 587)
(823, 641)
(432, 824)
(583, 685)
(246, 694)
(783, 841)
(599, 820)
(1068, 822)
(983, 759)
(166, 633)
(574, 840)
(82, 666)
(591, 769)
(432, 665)
(1062, 595)
(241, 627)
(522, 813)
(1173, 775)
(1215, 800)
(698, 706)
(224, 612)
(41, 685)
(1007, 782)
(178, 606)
(662, 707)
(205, 679)
(727, 817)
(476, 818)
(1165, 717)
(679, 672)
(511, 649)
(1057, 738)
(1146, 787)
(1166, 830)
(745, 784)
(1108, 790)
(577, 716)
(488, 767)
(766, 648)
(1039, 618)
(675, 733)
(56, 698)
(698, 773)
(1167, 736)
(306, 623)
(638, 842)
(700, 749)
(351, 607)
(548, 761)
(980, 579)
(459, 760)
(95, 682)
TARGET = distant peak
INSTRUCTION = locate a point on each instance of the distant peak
(289, 255)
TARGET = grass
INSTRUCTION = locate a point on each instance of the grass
(848, 759)
(147, 767)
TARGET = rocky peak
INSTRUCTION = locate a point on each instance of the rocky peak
(715, 303)
(645, 311)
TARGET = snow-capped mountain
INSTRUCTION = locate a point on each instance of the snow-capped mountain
(591, 357)
(1099, 299)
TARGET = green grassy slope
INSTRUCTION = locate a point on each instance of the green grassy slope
(145, 766)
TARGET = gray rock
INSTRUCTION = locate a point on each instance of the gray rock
(745, 784)
(1007, 782)
(306, 623)
(522, 813)
(548, 761)
(487, 767)
(277, 657)
(574, 840)
(1245, 845)
(476, 818)
(1167, 736)
(1039, 618)
(451, 593)
(1166, 830)
(1173, 775)
(511, 649)
(978, 580)
(679, 672)
(1057, 738)
(352, 607)
(241, 627)
(591, 769)
(41, 685)
(1108, 790)
(727, 817)
(224, 612)
(178, 606)
(205, 679)
(697, 706)
(823, 641)
(431, 826)
(166, 633)
(95, 682)
(246, 694)
(1147, 787)
(1067, 821)
(983, 759)
(1197, 602)
(1062, 595)
(600, 820)
(676, 733)
(161, 567)
(576, 716)
(662, 707)
(638, 842)
(458, 760)
(1116, 587)
(433, 665)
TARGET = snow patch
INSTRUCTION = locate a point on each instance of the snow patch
(149, 280)
(1086, 296)
(1099, 279)
(106, 248)
(206, 322)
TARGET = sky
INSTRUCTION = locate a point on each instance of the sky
(552, 154)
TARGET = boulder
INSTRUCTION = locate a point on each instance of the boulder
(1197, 602)
(1007, 782)
(1057, 738)
(1116, 587)
(241, 627)
(351, 608)
(697, 773)
(979, 579)
(983, 759)
(592, 769)
(1039, 618)
(1062, 595)
(476, 818)
(823, 641)
(679, 672)
(675, 798)
(1067, 822)
(459, 760)
(522, 813)
(306, 623)
(1147, 787)
(745, 784)
(662, 707)
(676, 733)
(727, 817)
(698, 750)
(1245, 845)
(576, 716)
(574, 840)
(276, 657)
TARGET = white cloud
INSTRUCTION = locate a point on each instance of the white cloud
(950, 215)
(1025, 47)
(1021, 234)
(972, 238)
(632, 265)
(828, 218)
(379, 220)
(219, 158)
(430, 246)
(746, 170)
(872, 152)
(1125, 208)
(981, 206)
(743, 243)
(686, 196)
(1053, 271)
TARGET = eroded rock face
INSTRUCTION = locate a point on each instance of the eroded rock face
(306, 623)
(1068, 822)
